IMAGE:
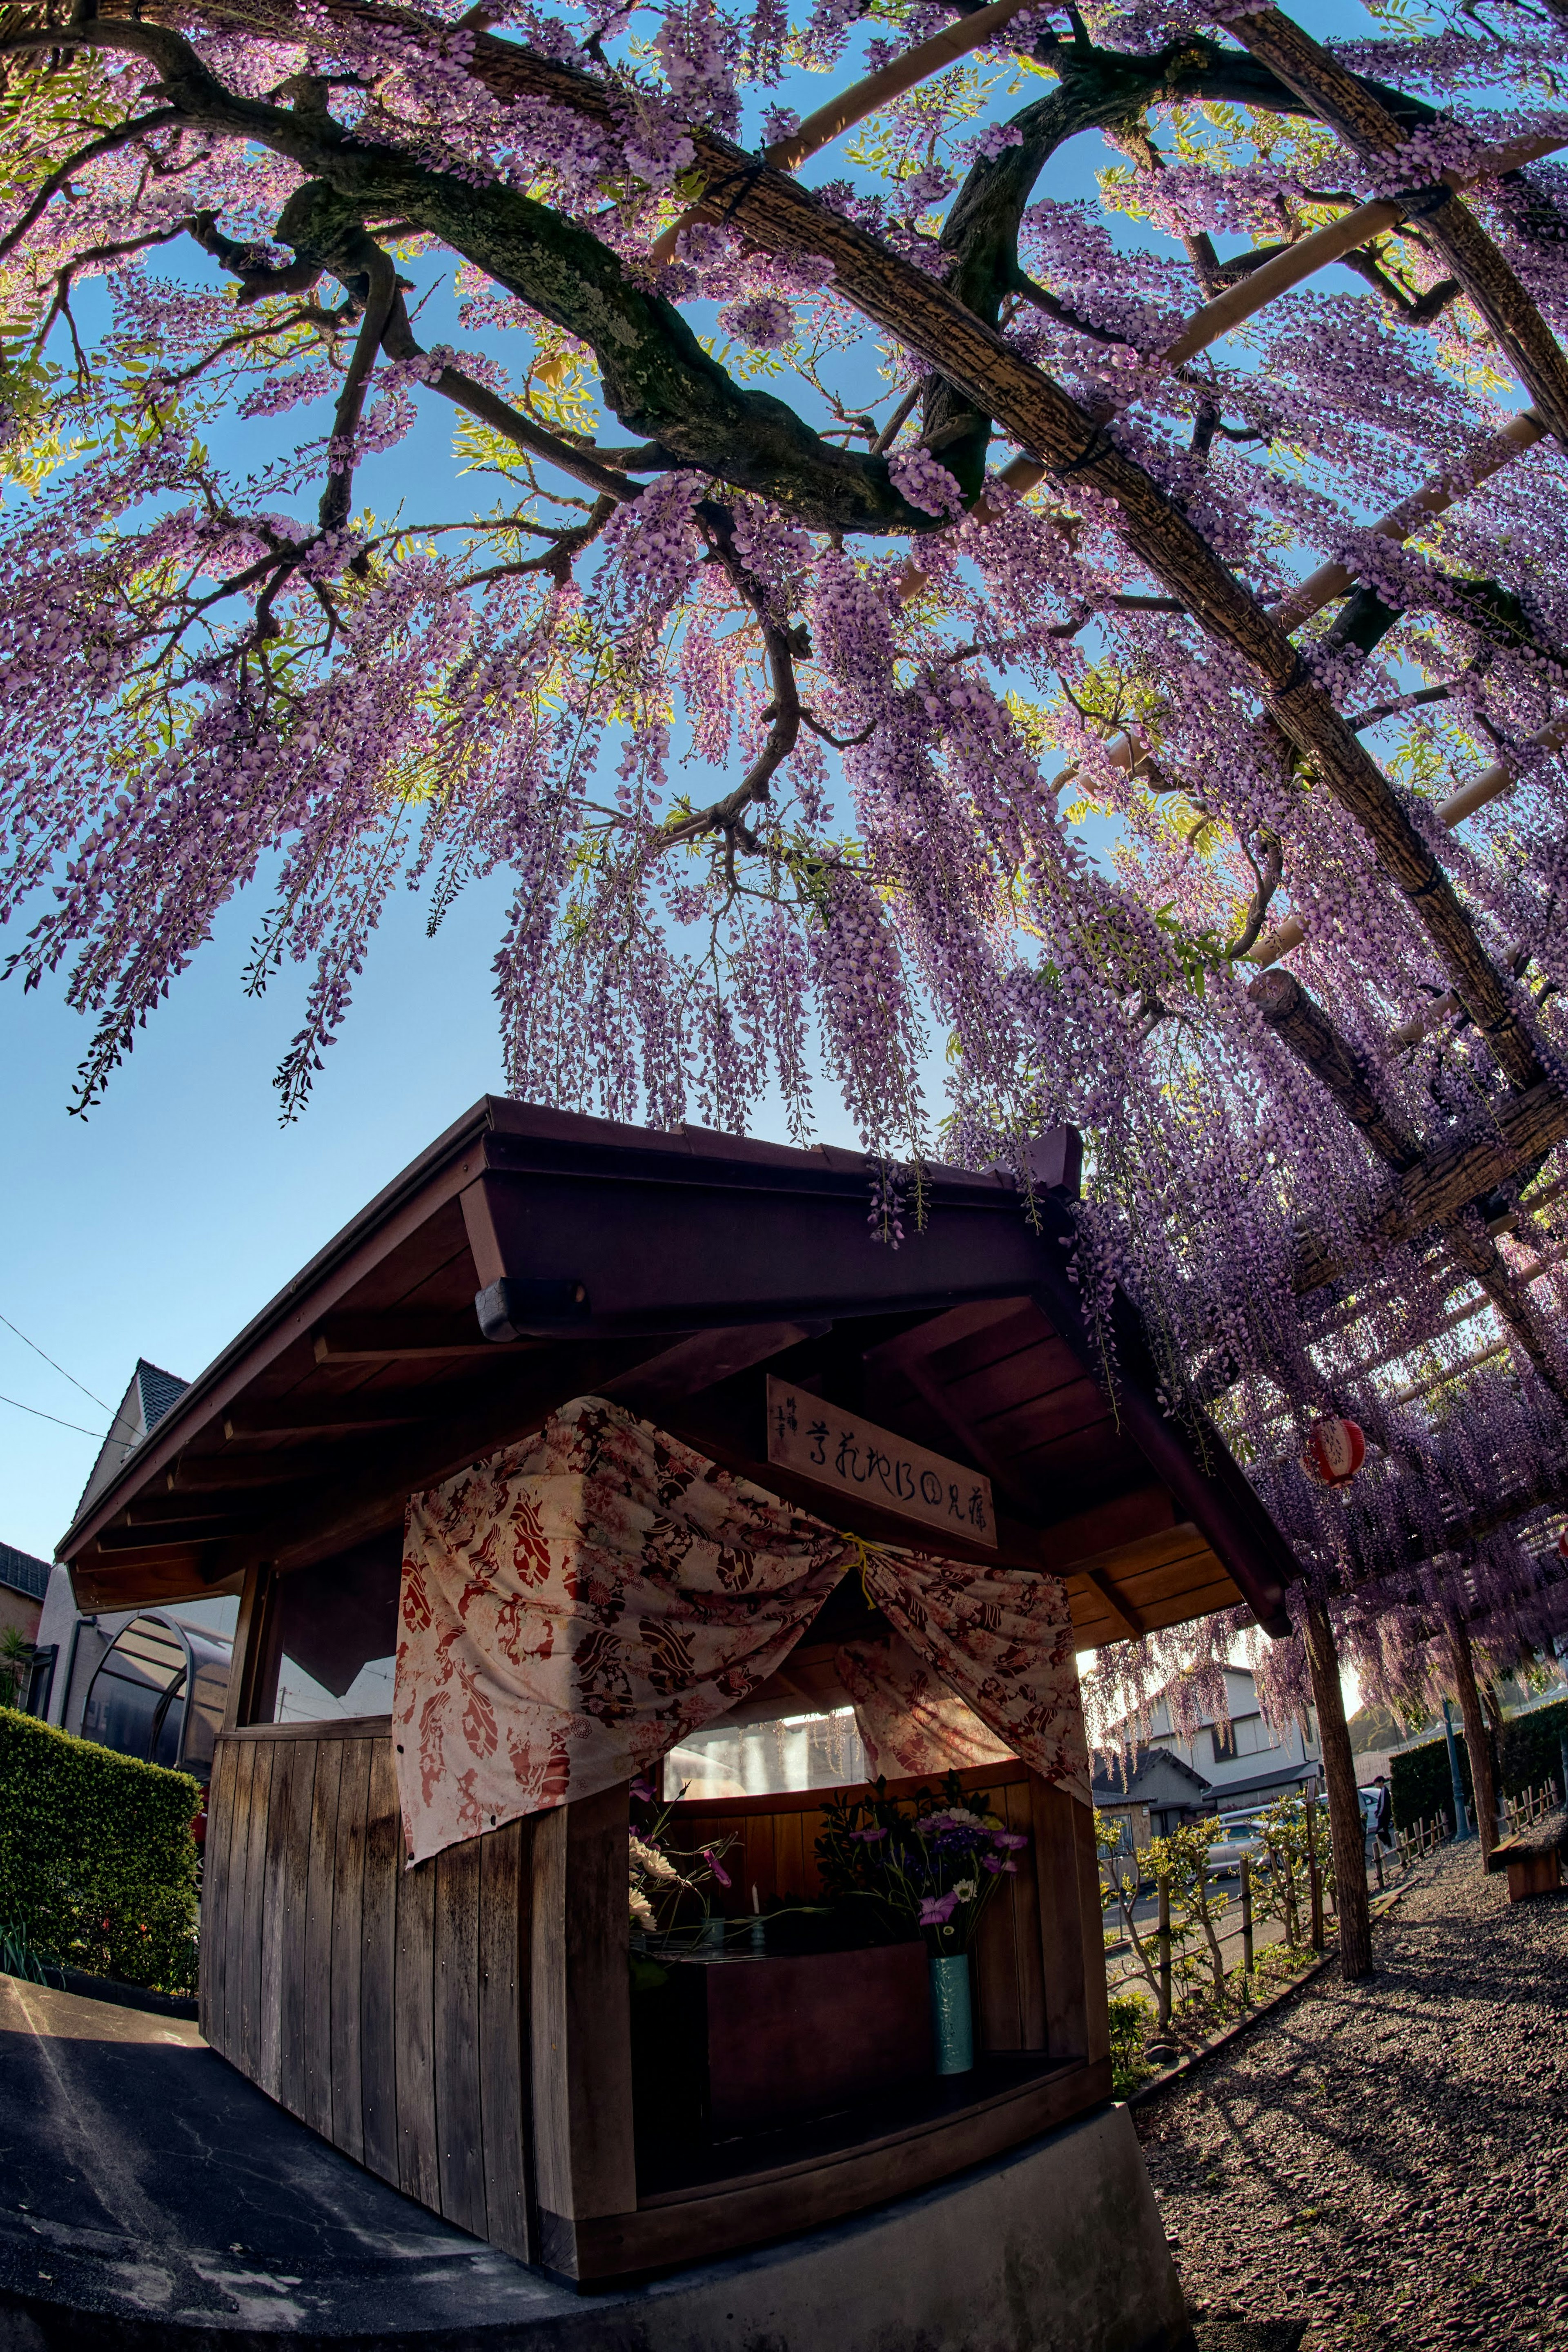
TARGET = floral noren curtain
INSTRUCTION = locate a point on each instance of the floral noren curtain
(578, 1604)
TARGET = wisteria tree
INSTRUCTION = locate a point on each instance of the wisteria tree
(924, 627)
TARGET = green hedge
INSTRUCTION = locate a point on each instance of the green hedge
(98, 1865)
(1529, 1753)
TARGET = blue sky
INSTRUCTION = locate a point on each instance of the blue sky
(161, 1224)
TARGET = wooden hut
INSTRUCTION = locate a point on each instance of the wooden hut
(464, 2027)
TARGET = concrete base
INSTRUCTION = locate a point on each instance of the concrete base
(153, 2201)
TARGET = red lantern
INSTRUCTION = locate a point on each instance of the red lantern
(1334, 1451)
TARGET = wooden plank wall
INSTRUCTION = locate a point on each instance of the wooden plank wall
(774, 1850)
(386, 2007)
(463, 2028)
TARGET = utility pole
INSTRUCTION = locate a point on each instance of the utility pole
(1461, 1827)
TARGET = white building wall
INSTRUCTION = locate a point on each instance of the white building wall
(1261, 1754)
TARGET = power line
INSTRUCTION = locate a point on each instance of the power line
(38, 1415)
(63, 1373)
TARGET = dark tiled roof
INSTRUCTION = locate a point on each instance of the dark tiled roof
(152, 1394)
(23, 1573)
(1150, 1764)
(160, 1389)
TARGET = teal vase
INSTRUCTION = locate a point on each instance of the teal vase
(952, 2022)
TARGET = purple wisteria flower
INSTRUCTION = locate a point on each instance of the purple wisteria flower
(763, 321)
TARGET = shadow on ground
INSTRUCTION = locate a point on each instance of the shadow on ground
(1248, 2335)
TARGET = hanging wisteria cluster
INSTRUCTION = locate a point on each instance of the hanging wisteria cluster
(827, 723)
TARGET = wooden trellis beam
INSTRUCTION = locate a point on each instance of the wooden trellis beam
(1431, 1380)
(1331, 581)
(1305, 1028)
(1311, 1036)
(1286, 270)
(1344, 102)
(1489, 785)
(1549, 1492)
(1446, 1179)
(1456, 1319)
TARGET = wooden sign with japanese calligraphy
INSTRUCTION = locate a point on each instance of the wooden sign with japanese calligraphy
(853, 1457)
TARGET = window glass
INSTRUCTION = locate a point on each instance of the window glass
(335, 1634)
(764, 1760)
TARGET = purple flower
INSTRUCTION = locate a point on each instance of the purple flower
(1011, 1839)
(937, 1909)
(765, 322)
(716, 1866)
(868, 1837)
(642, 1788)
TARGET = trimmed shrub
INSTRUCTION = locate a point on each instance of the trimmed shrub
(1131, 2018)
(98, 1865)
(1529, 1753)
(1420, 1782)
(1531, 1748)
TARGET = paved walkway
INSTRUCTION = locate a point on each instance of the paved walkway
(1387, 2164)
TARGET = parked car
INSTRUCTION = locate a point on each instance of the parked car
(1237, 1842)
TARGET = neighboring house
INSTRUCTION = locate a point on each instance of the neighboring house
(24, 1582)
(78, 1642)
(1241, 1763)
(1159, 1793)
(150, 1394)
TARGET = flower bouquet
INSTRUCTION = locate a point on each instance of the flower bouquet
(659, 1877)
(929, 1866)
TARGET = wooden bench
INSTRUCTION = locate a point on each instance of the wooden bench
(1533, 1857)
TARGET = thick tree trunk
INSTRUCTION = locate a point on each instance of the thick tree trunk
(1345, 1805)
(1483, 1780)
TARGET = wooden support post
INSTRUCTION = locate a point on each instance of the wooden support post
(582, 2026)
(1165, 1944)
(1345, 1805)
(1072, 1935)
(1482, 1781)
(1246, 1923)
(1314, 1875)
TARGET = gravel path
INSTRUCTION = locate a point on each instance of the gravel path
(1387, 2164)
